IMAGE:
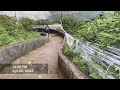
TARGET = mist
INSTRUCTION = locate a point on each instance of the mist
(30, 14)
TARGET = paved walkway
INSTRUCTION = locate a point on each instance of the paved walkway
(46, 54)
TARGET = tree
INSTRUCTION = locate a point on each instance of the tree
(26, 22)
(43, 22)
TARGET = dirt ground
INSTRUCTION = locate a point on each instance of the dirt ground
(46, 54)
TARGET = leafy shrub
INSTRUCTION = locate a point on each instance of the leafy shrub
(81, 64)
(71, 25)
(103, 30)
(26, 22)
(5, 39)
(75, 61)
(8, 23)
(2, 30)
(69, 53)
(10, 32)
(44, 22)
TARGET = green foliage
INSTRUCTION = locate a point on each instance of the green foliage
(26, 22)
(2, 30)
(8, 23)
(95, 65)
(10, 32)
(30, 34)
(95, 76)
(70, 21)
(8, 39)
(5, 39)
(75, 61)
(43, 22)
(105, 30)
(71, 25)
(117, 12)
(111, 70)
(57, 20)
(81, 64)
(69, 52)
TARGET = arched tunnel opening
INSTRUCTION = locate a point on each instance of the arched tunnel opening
(43, 32)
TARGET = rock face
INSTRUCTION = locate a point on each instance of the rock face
(14, 51)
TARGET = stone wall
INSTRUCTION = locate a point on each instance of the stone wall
(14, 51)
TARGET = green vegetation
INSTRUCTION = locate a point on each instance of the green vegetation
(95, 76)
(74, 56)
(103, 30)
(69, 52)
(26, 22)
(71, 25)
(44, 22)
(10, 32)
(81, 65)
(107, 72)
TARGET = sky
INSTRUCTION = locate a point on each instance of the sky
(30, 14)
(42, 14)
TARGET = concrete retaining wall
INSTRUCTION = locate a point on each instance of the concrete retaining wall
(14, 51)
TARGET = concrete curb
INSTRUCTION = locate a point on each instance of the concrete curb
(14, 51)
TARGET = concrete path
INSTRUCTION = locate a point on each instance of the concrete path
(46, 54)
